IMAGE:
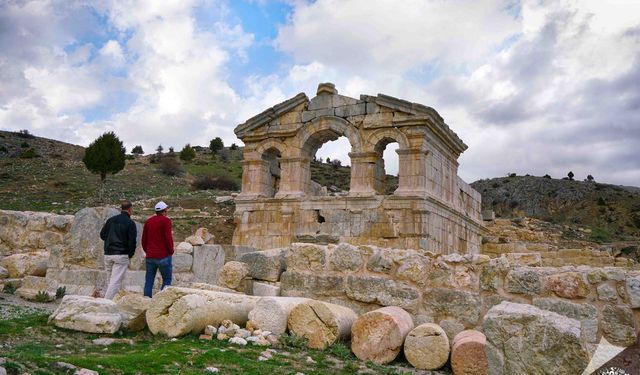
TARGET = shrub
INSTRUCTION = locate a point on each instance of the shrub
(600, 235)
(24, 133)
(3, 149)
(546, 176)
(42, 296)
(24, 145)
(216, 145)
(293, 341)
(137, 150)
(61, 291)
(29, 154)
(171, 167)
(9, 288)
(209, 182)
(225, 154)
(570, 175)
(187, 153)
(511, 175)
(235, 147)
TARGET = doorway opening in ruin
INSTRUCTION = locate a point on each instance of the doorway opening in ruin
(330, 163)
(387, 166)
(272, 158)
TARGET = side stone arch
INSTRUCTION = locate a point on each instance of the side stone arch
(384, 137)
(376, 143)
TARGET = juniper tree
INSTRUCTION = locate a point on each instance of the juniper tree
(105, 155)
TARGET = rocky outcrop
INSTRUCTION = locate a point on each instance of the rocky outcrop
(522, 339)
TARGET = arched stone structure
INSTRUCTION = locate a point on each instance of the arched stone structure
(431, 209)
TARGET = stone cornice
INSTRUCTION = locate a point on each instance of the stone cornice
(270, 114)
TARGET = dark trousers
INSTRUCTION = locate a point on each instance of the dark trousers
(152, 266)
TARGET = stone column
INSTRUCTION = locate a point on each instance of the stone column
(363, 173)
(294, 174)
(255, 174)
(412, 174)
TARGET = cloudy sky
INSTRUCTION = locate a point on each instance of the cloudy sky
(532, 87)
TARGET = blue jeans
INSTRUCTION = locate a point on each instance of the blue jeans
(152, 266)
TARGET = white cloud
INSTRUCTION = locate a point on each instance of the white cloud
(364, 35)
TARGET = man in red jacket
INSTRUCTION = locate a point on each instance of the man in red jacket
(157, 242)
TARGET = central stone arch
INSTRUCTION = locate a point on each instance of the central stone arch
(313, 135)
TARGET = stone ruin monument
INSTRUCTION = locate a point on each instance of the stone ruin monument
(432, 208)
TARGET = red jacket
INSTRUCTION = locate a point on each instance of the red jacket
(157, 238)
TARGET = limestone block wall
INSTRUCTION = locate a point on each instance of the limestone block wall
(24, 232)
(388, 221)
(456, 291)
(431, 209)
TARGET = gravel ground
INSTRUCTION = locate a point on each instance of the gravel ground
(12, 306)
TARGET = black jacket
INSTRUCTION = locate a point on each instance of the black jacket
(119, 235)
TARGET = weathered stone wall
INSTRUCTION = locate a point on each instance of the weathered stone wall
(457, 291)
(25, 232)
(387, 221)
(432, 208)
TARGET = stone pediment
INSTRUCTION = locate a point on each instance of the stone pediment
(371, 112)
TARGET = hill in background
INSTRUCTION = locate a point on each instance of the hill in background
(53, 178)
(612, 212)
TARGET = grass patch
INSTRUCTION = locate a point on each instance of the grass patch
(33, 346)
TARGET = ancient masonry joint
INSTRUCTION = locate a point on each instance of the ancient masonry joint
(432, 208)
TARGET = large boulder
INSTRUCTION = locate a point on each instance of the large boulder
(208, 261)
(265, 265)
(177, 311)
(27, 264)
(83, 246)
(233, 274)
(523, 339)
(87, 314)
(133, 308)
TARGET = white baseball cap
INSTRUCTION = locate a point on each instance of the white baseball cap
(161, 206)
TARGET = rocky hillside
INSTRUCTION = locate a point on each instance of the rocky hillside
(612, 212)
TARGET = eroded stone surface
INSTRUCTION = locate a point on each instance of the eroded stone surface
(522, 338)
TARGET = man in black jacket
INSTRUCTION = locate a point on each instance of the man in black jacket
(119, 236)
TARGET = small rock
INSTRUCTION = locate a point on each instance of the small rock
(224, 199)
(267, 354)
(210, 330)
(238, 341)
(249, 326)
(242, 333)
(262, 359)
(212, 369)
(222, 336)
(310, 360)
(108, 341)
(226, 323)
(263, 342)
(174, 339)
(84, 371)
(273, 339)
(206, 337)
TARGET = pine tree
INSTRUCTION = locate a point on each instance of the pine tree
(187, 153)
(105, 155)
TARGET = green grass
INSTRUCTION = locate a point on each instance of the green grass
(33, 346)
